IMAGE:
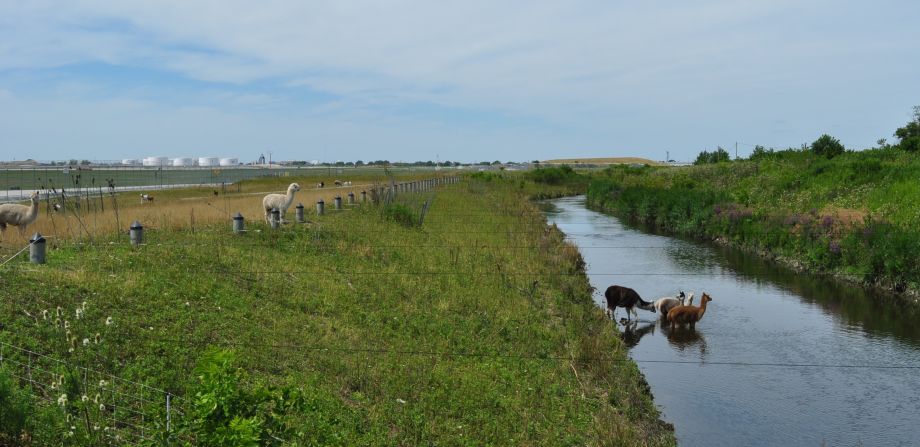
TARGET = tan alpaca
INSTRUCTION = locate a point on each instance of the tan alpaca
(688, 314)
(19, 215)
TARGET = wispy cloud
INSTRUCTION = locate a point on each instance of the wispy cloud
(590, 76)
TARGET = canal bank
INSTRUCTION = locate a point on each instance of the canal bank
(780, 358)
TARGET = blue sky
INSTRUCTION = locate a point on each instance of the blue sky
(468, 81)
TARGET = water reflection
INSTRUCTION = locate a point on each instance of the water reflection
(632, 333)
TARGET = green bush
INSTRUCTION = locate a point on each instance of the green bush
(401, 214)
(716, 156)
(15, 408)
(827, 146)
(554, 175)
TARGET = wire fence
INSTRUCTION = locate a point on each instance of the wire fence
(17, 184)
(106, 408)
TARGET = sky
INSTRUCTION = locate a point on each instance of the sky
(457, 80)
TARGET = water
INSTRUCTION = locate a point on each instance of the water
(760, 314)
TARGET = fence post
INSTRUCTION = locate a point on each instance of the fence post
(37, 249)
(363, 196)
(136, 232)
(276, 218)
(238, 225)
(298, 212)
(320, 207)
(168, 413)
(338, 202)
(351, 198)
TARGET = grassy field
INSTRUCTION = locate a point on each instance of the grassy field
(855, 216)
(361, 328)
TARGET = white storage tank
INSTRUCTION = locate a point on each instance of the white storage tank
(183, 161)
(130, 162)
(208, 161)
(229, 161)
(156, 161)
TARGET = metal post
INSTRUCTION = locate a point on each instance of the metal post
(298, 212)
(276, 218)
(37, 249)
(338, 202)
(168, 413)
(363, 196)
(351, 198)
(238, 226)
(320, 207)
(137, 233)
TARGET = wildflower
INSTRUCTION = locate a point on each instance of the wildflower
(66, 324)
(79, 313)
(62, 401)
(102, 408)
(45, 314)
(70, 350)
(96, 398)
(108, 321)
(53, 385)
(85, 341)
(400, 401)
(835, 247)
(57, 311)
(83, 306)
(103, 383)
(84, 398)
(97, 339)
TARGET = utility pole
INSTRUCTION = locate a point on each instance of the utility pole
(736, 150)
(667, 156)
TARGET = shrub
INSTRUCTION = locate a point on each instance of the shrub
(716, 156)
(400, 214)
(15, 408)
(554, 175)
(910, 133)
(827, 146)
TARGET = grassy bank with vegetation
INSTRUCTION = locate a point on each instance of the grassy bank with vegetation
(364, 327)
(852, 214)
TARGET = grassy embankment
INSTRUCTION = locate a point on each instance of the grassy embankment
(855, 216)
(394, 334)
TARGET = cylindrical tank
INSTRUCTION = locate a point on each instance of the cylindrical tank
(208, 161)
(156, 161)
(130, 162)
(229, 161)
(183, 161)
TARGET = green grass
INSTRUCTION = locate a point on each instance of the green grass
(856, 215)
(476, 328)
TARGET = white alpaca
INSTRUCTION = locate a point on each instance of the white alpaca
(663, 305)
(279, 201)
(19, 215)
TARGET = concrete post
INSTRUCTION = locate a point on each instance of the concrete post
(276, 218)
(363, 196)
(351, 198)
(238, 224)
(298, 212)
(136, 231)
(320, 207)
(37, 249)
(338, 202)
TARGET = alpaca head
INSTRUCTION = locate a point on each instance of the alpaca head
(34, 197)
(294, 187)
(705, 299)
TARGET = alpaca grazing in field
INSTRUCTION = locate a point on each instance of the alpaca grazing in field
(688, 314)
(280, 201)
(146, 198)
(663, 305)
(619, 296)
(19, 215)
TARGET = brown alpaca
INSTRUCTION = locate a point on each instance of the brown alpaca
(688, 314)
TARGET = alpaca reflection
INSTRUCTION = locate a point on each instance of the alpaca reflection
(632, 333)
(684, 337)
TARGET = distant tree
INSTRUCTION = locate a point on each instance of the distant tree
(85, 162)
(359, 163)
(716, 156)
(536, 162)
(910, 134)
(73, 162)
(827, 146)
(497, 162)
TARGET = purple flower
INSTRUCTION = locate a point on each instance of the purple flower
(835, 247)
(827, 222)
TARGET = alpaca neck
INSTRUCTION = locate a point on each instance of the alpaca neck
(33, 212)
(702, 309)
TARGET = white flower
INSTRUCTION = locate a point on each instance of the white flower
(70, 350)
(103, 383)
(53, 385)
(57, 311)
(108, 321)
(84, 398)
(79, 313)
(400, 401)
(62, 400)
(83, 306)
(66, 324)
(45, 314)
(85, 341)
(97, 339)
(102, 408)
(96, 398)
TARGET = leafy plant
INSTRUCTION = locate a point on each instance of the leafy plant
(827, 146)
